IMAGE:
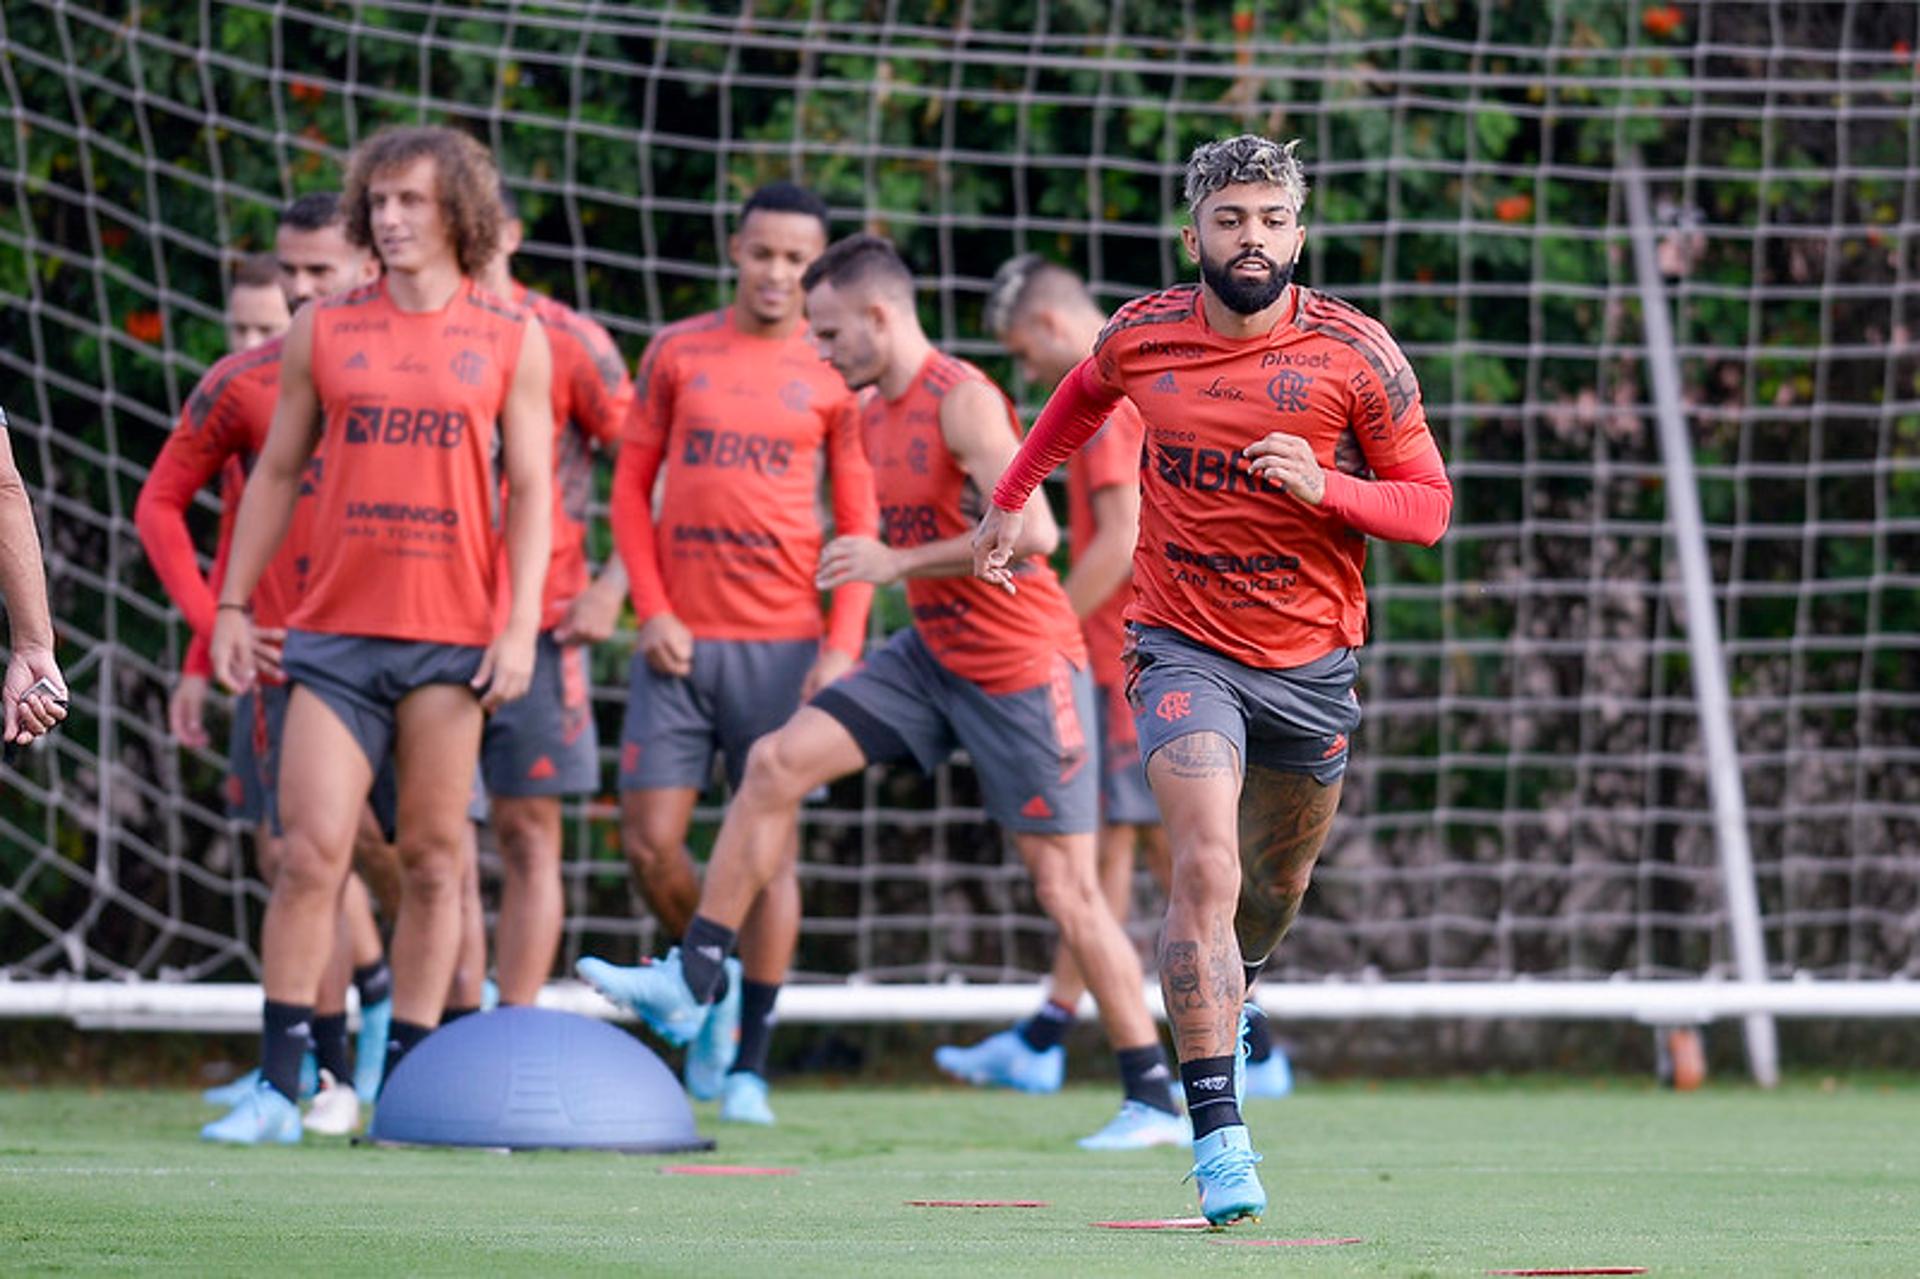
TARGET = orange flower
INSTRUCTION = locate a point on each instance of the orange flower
(1515, 208)
(1243, 22)
(1662, 21)
(145, 326)
(1901, 49)
(306, 91)
(114, 237)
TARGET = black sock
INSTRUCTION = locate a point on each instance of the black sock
(374, 982)
(703, 957)
(402, 1037)
(451, 1015)
(1046, 1028)
(1259, 1036)
(756, 1027)
(1144, 1077)
(330, 1047)
(1208, 1082)
(286, 1031)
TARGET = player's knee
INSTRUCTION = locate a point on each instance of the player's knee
(650, 849)
(1206, 875)
(524, 839)
(305, 869)
(1067, 889)
(432, 870)
(775, 771)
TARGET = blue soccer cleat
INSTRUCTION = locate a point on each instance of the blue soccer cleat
(370, 1049)
(262, 1117)
(710, 1056)
(1223, 1173)
(1004, 1061)
(1241, 1052)
(1139, 1126)
(743, 1100)
(656, 993)
(234, 1091)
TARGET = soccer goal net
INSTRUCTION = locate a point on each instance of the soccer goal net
(1530, 811)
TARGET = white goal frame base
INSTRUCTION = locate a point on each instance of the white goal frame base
(235, 1007)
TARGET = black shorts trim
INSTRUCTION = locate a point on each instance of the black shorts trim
(877, 741)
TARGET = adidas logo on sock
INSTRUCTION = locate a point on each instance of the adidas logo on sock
(712, 953)
(300, 1030)
(1156, 1074)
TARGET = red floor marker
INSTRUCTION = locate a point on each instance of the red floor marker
(725, 1170)
(1168, 1223)
(1576, 1270)
(978, 1203)
(1290, 1243)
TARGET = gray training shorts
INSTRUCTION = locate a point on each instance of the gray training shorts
(362, 679)
(1029, 748)
(739, 691)
(253, 753)
(1295, 720)
(544, 743)
(1125, 797)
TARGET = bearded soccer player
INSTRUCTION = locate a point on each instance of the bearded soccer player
(737, 407)
(1007, 680)
(1283, 429)
(410, 388)
(221, 432)
(544, 746)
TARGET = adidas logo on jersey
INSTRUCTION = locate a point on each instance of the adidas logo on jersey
(358, 360)
(1165, 385)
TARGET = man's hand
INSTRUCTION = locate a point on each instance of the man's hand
(232, 650)
(1289, 460)
(506, 669)
(591, 617)
(187, 710)
(857, 559)
(993, 546)
(268, 642)
(667, 645)
(31, 714)
(828, 667)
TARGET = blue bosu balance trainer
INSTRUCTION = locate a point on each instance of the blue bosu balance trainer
(532, 1079)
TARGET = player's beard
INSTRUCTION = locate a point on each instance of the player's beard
(1246, 297)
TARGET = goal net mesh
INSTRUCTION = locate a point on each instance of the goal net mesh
(1528, 794)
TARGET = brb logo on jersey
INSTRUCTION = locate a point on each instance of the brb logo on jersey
(398, 425)
(1288, 391)
(731, 449)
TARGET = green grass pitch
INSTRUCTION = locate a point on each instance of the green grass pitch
(1435, 1179)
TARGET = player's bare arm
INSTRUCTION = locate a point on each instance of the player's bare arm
(595, 612)
(973, 423)
(267, 507)
(1105, 563)
(23, 584)
(526, 445)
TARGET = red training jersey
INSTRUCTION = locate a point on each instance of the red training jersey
(746, 427)
(1004, 643)
(406, 532)
(1226, 559)
(221, 431)
(1109, 460)
(592, 398)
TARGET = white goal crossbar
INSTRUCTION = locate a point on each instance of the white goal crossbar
(234, 1007)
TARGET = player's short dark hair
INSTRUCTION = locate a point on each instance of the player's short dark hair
(314, 211)
(255, 271)
(861, 260)
(1028, 281)
(786, 197)
(464, 169)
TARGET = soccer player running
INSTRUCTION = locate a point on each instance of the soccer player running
(1004, 679)
(738, 408)
(1283, 428)
(221, 431)
(544, 745)
(410, 388)
(1045, 318)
